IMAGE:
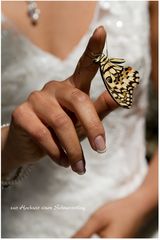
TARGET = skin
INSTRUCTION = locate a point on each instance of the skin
(51, 35)
(36, 130)
(23, 142)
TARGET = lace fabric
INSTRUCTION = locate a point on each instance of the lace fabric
(109, 176)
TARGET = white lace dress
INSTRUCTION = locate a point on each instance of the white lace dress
(63, 199)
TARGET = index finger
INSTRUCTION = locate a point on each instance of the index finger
(86, 68)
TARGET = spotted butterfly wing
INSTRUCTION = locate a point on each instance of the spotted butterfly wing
(119, 81)
(122, 89)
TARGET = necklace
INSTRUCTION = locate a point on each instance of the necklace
(33, 12)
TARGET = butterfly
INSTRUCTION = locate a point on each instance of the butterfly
(120, 81)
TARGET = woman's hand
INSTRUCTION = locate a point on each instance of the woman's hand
(123, 218)
(52, 120)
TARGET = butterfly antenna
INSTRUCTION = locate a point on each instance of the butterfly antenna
(106, 47)
(107, 53)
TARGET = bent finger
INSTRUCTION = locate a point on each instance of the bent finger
(50, 112)
(105, 104)
(27, 120)
(80, 103)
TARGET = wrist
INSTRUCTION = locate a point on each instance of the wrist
(4, 135)
(7, 160)
(7, 164)
(147, 200)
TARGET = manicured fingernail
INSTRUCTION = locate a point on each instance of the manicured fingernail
(100, 144)
(94, 31)
(79, 167)
(101, 26)
(81, 173)
(97, 29)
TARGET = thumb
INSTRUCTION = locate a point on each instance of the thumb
(86, 68)
(112, 232)
(105, 233)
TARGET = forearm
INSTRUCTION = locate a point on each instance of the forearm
(8, 162)
(4, 135)
(149, 190)
(147, 194)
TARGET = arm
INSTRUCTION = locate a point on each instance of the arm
(36, 130)
(150, 185)
(33, 127)
(149, 188)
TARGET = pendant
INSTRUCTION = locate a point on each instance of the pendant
(33, 12)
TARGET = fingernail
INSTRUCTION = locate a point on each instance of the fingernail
(97, 29)
(101, 26)
(79, 167)
(100, 144)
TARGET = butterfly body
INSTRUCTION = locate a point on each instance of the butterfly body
(119, 80)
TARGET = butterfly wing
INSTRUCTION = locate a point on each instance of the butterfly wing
(110, 72)
(120, 83)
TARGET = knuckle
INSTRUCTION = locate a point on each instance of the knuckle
(50, 84)
(60, 120)
(18, 113)
(34, 96)
(96, 126)
(74, 155)
(39, 134)
(79, 96)
(96, 217)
